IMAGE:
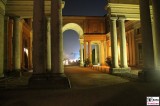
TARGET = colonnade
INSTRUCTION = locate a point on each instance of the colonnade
(100, 52)
(13, 45)
(52, 60)
(131, 47)
(123, 67)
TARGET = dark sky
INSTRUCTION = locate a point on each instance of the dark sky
(85, 7)
(79, 8)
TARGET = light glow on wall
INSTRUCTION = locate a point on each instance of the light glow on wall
(26, 51)
(119, 52)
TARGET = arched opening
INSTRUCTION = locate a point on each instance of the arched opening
(71, 47)
(73, 34)
(75, 27)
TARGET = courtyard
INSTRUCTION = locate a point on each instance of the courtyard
(89, 88)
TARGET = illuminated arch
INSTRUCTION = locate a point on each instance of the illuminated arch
(75, 27)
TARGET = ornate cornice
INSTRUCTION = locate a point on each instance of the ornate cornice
(130, 11)
(24, 8)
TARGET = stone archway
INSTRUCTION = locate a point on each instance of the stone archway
(79, 30)
(75, 27)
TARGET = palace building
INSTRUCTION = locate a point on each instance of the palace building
(31, 38)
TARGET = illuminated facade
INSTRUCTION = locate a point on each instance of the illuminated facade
(125, 36)
(141, 37)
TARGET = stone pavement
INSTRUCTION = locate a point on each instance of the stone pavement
(89, 88)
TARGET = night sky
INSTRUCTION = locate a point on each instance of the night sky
(79, 8)
(85, 7)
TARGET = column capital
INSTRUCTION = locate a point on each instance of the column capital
(15, 18)
(48, 18)
(102, 41)
(81, 41)
(63, 4)
(121, 18)
(89, 41)
(113, 18)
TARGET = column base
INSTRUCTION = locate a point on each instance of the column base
(81, 64)
(149, 75)
(13, 73)
(48, 70)
(1, 76)
(51, 81)
(119, 70)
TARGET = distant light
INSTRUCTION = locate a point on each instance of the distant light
(65, 62)
(98, 64)
(73, 60)
(26, 51)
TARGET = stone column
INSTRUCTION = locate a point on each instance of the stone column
(81, 52)
(57, 68)
(105, 50)
(56, 37)
(96, 55)
(30, 45)
(90, 52)
(48, 45)
(1, 45)
(133, 48)
(123, 49)
(130, 48)
(156, 25)
(99, 51)
(17, 32)
(6, 45)
(85, 51)
(114, 48)
(30, 51)
(102, 54)
(10, 34)
(148, 59)
(38, 38)
(38, 78)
